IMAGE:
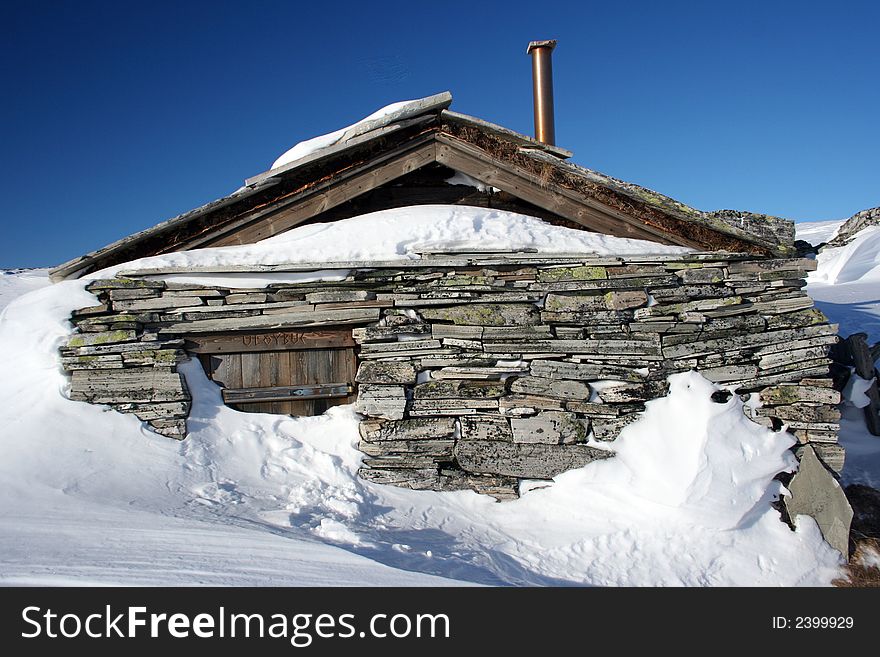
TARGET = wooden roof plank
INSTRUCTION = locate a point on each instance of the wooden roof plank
(492, 128)
(218, 237)
(329, 197)
(477, 163)
(74, 266)
(337, 148)
(412, 114)
(641, 195)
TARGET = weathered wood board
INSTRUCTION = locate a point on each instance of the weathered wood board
(280, 359)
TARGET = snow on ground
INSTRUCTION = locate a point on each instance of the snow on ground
(846, 287)
(817, 232)
(15, 282)
(88, 495)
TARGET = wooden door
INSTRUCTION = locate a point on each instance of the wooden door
(295, 372)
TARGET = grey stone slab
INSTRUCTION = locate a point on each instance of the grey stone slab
(486, 428)
(414, 478)
(384, 372)
(816, 493)
(531, 461)
(459, 389)
(550, 427)
(553, 388)
(485, 314)
(418, 429)
(556, 369)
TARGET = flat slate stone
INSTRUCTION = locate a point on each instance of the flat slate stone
(608, 428)
(103, 338)
(440, 449)
(414, 478)
(553, 388)
(486, 428)
(573, 302)
(550, 427)
(386, 372)
(625, 300)
(530, 461)
(633, 392)
(577, 273)
(701, 275)
(459, 389)
(486, 314)
(516, 404)
(816, 493)
(555, 369)
(419, 429)
(792, 393)
(135, 384)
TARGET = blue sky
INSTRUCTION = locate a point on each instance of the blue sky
(119, 115)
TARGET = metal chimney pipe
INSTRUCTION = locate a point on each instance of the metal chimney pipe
(542, 86)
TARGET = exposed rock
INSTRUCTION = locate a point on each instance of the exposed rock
(488, 314)
(852, 226)
(551, 428)
(816, 493)
(555, 389)
(529, 461)
(386, 372)
(416, 429)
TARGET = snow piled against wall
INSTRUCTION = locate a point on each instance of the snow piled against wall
(400, 233)
(846, 287)
(88, 495)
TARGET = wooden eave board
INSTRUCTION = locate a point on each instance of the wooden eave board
(98, 257)
(504, 133)
(335, 149)
(347, 185)
(422, 147)
(467, 158)
(670, 208)
(80, 263)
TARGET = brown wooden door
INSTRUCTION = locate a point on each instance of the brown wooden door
(303, 372)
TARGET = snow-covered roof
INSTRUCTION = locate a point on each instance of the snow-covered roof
(322, 173)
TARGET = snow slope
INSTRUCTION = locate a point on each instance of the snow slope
(88, 495)
(817, 232)
(846, 287)
(15, 282)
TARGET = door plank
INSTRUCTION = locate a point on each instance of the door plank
(312, 358)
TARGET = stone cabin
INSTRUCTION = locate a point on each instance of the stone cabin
(472, 369)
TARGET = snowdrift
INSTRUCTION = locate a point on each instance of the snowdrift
(817, 232)
(389, 235)
(90, 496)
(857, 262)
(846, 287)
